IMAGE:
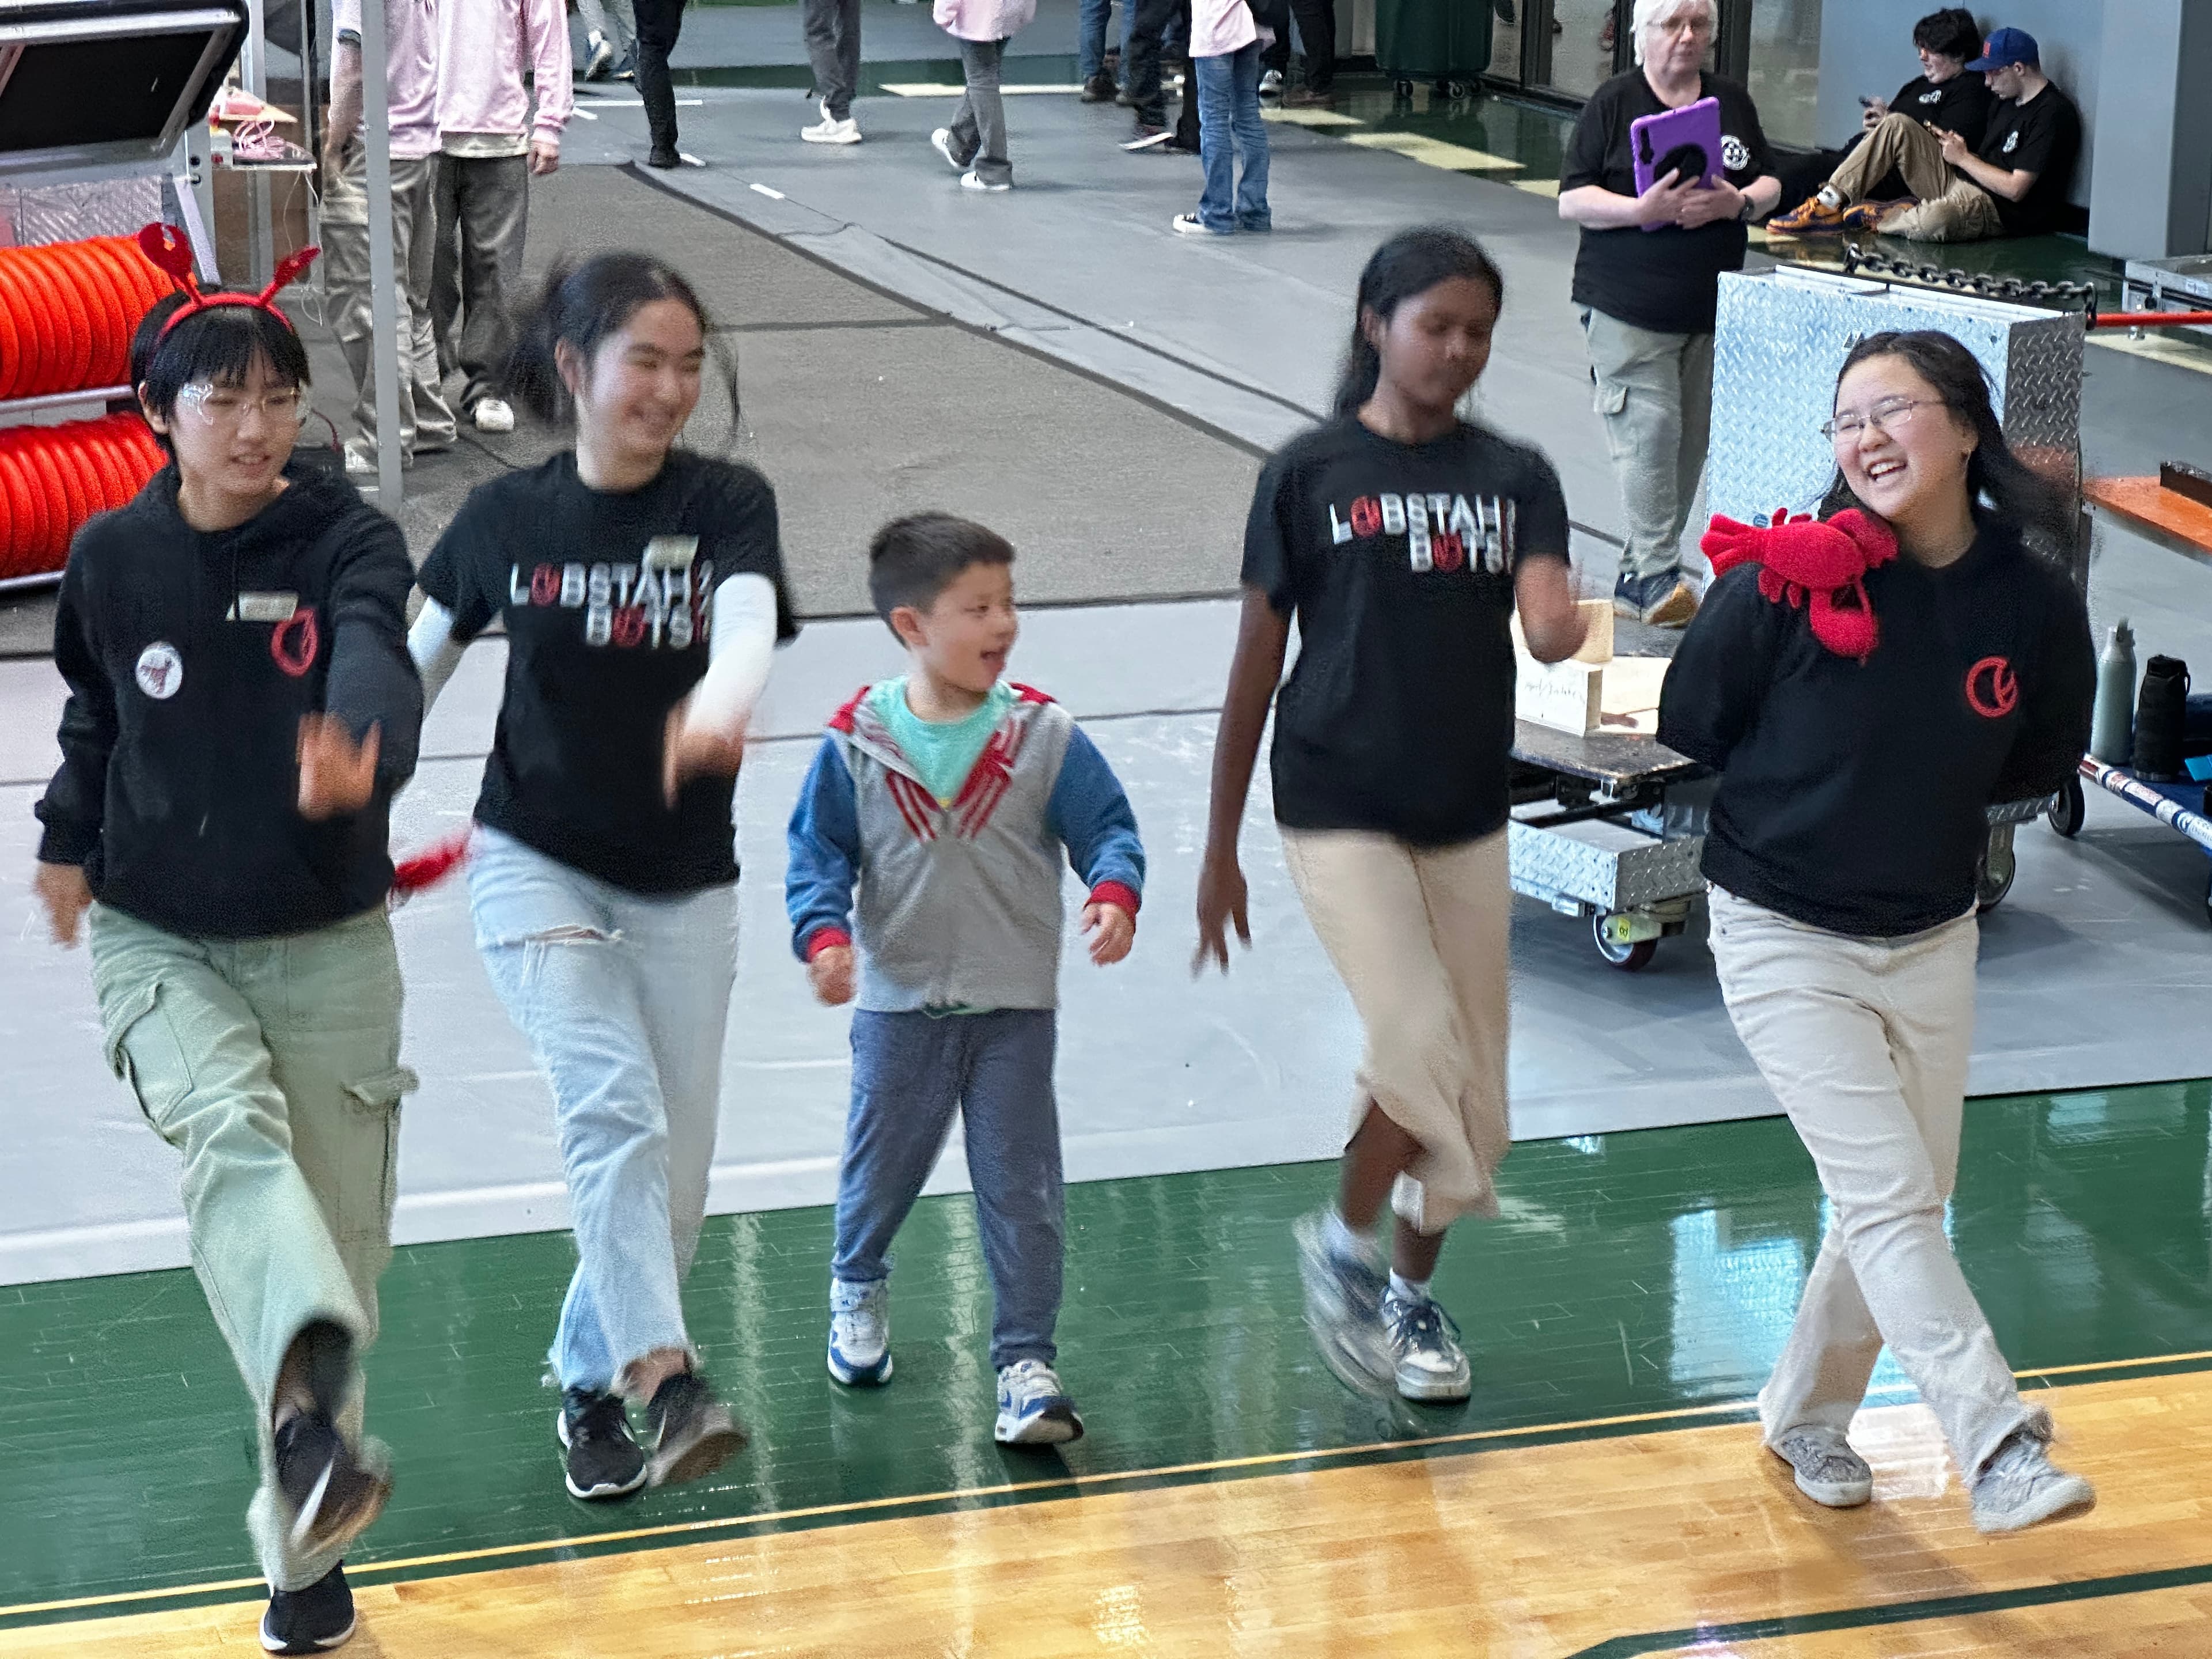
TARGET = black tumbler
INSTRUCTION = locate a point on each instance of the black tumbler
(2162, 719)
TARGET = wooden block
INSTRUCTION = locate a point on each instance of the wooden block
(1563, 696)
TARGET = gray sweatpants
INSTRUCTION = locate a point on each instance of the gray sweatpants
(426, 419)
(979, 125)
(833, 47)
(1655, 394)
(476, 277)
(1865, 1043)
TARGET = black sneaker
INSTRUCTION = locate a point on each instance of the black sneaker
(664, 157)
(311, 1620)
(694, 1433)
(1146, 136)
(333, 1498)
(603, 1460)
(1099, 89)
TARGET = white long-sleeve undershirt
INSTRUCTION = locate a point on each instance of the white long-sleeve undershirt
(742, 651)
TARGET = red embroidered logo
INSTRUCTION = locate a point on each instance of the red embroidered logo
(294, 643)
(1992, 689)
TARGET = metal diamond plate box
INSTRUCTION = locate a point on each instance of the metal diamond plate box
(1782, 339)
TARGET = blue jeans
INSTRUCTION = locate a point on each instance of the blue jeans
(1229, 121)
(910, 1072)
(1090, 35)
(623, 998)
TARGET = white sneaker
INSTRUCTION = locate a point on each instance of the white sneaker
(941, 141)
(1271, 83)
(1034, 1410)
(1431, 1363)
(2021, 1486)
(1828, 1471)
(860, 1332)
(1189, 224)
(976, 181)
(602, 58)
(831, 130)
(493, 415)
(359, 466)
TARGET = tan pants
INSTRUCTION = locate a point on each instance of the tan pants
(1952, 208)
(1865, 1043)
(1421, 936)
(426, 419)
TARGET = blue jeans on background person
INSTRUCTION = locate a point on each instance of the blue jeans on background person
(623, 997)
(1229, 121)
(911, 1071)
(1090, 35)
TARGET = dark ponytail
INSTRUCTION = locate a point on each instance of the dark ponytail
(1404, 268)
(2042, 509)
(581, 305)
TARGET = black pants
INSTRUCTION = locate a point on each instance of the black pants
(659, 22)
(1142, 71)
(1316, 32)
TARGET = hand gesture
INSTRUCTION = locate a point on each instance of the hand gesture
(1877, 110)
(689, 751)
(336, 776)
(545, 157)
(1663, 204)
(1113, 931)
(1708, 206)
(830, 972)
(1222, 898)
(67, 895)
(1954, 148)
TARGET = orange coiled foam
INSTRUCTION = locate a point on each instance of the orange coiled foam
(52, 479)
(68, 311)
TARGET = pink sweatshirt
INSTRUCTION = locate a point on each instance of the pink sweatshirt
(411, 81)
(1219, 28)
(986, 19)
(484, 48)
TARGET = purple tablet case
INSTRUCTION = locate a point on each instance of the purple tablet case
(1661, 144)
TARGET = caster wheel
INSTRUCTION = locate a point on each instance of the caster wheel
(1629, 959)
(1993, 878)
(1451, 88)
(2069, 810)
(1404, 88)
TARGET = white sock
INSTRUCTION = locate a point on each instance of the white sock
(1407, 1290)
(1344, 1242)
(1831, 197)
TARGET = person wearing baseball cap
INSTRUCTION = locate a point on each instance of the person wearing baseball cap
(2013, 182)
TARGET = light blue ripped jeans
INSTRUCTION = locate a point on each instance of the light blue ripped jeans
(624, 998)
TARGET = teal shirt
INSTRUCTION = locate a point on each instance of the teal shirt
(943, 752)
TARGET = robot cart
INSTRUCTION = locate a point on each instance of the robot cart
(2177, 806)
(1611, 827)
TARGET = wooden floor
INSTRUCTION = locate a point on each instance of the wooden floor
(1609, 1545)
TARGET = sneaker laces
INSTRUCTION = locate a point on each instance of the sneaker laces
(596, 1418)
(1420, 1324)
(1026, 1381)
(1818, 1458)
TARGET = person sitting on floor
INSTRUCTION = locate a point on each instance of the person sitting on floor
(1946, 93)
(2013, 182)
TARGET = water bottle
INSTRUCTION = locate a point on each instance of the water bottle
(2112, 727)
(2162, 711)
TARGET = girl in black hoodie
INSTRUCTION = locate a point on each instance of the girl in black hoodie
(241, 708)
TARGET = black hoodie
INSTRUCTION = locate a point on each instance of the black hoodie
(190, 659)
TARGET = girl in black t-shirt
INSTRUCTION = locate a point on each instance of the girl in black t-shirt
(641, 589)
(1402, 542)
(1862, 716)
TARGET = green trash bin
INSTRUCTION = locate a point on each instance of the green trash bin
(1444, 42)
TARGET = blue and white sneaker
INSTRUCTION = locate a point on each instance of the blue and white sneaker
(1034, 1410)
(1344, 1306)
(1431, 1366)
(860, 1332)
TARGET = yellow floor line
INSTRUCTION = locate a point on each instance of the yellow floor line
(1538, 186)
(953, 89)
(1305, 118)
(1435, 152)
(2159, 348)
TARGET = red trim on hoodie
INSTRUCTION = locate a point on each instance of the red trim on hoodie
(1116, 893)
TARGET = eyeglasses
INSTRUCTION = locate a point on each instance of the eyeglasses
(1885, 417)
(220, 406)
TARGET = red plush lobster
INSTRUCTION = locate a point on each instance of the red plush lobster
(1813, 566)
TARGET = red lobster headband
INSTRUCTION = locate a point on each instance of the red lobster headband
(172, 253)
(1817, 568)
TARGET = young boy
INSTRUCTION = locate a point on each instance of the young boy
(950, 796)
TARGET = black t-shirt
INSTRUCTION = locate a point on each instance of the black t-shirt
(1960, 105)
(2042, 136)
(608, 601)
(1852, 795)
(1669, 279)
(1397, 562)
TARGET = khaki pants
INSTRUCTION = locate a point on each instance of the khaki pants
(1951, 208)
(1655, 394)
(426, 419)
(1419, 937)
(1865, 1043)
(273, 1066)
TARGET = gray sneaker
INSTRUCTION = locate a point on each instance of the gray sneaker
(1432, 1366)
(1344, 1307)
(1828, 1471)
(2021, 1486)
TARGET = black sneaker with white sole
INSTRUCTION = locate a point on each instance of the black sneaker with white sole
(331, 1496)
(311, 1620)
(602, 1459)
(694, 1433)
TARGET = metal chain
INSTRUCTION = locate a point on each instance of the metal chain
(2061, 296)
